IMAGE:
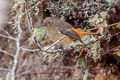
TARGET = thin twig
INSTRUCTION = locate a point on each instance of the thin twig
(113, 24)
(9, 37)
(47, 73)
(107, 52)
(35, 50)
(4, 69)
(93, 28)
(29, 19)
(9, 22)
(6, 32)
(55, 43)
(5, 52)
(30, 50)
(115, 34)
(107, 25)
(40, 67)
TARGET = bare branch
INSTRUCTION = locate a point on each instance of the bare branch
(30, 50)
(40, 67)
(5, 52)
(55, 43)
(4, 69)
(17, 50)
(35, 50)
(29, 19)
(9, 37)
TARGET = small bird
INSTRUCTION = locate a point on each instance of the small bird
(57, 29)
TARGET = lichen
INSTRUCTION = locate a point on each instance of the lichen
(61, 8)
(95, 51)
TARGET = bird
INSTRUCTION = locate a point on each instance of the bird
(57, 28)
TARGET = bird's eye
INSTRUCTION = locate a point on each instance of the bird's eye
(50, 22)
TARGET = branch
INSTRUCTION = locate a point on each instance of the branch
(9, 37)
(15, 62)
(5, 52)
(35, 50)
(30, 50)
(46, 67)
(4, 69)
(55, 43)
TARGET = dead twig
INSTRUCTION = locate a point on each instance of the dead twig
(9, 37)
(5, 52)
(113, 49)
(29, 19)
(40, 67)
(4, 69)
(55, 43)
(113, 24)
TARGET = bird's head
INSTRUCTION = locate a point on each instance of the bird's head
(50, 21)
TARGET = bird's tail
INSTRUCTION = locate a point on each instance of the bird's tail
(82, 33)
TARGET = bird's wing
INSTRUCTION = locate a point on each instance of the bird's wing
(66, 29)
(71, 34)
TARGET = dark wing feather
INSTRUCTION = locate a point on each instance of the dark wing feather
(71, 34)
(66, 29)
